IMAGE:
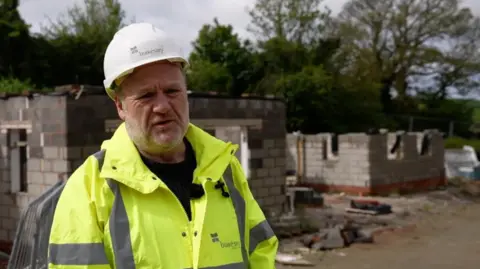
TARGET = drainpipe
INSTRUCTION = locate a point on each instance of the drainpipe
(300, 157)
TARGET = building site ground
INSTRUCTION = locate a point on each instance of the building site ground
(438, 229)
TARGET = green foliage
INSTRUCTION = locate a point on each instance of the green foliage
(448, 110)
(80, 38)
(306, 93)
(403, 42)
(300, 21)
(14, 48)
(458, 143)
(475, 106)
(205, 76)
(96, 21)
(70, 49)
(220, 61)
(16, 86)
(376, 64)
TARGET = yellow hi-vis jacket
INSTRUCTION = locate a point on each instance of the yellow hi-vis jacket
(115, 213)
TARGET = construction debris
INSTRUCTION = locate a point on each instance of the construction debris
(292, 259)
(361, 211)
(337, 237)
(289, 225)
(472, 188)
(370, 207)
(312, 232)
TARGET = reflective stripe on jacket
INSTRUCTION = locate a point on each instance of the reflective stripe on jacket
(115, 213)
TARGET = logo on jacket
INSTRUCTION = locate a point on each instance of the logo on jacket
(230, 244)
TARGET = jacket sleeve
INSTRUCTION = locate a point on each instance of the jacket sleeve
(262, 242)
(76, 238)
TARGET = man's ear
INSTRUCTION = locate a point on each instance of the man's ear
(120, 108)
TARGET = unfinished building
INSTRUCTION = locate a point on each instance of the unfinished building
(44, 138)
(359, 163)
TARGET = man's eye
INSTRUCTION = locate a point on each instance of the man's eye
(146, 95)
(171, 91)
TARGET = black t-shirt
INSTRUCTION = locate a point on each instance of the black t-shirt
(177, 176)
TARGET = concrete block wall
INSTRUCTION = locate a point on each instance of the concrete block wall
(65, 129)
(267, 144)
(364, 163)
(426, 170)
(86, 125)
(266, 135)
(45, 121)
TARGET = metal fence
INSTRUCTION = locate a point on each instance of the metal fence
(30, 248)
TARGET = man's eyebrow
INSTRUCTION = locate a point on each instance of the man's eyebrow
(163, 86)
(145, 88)
(172, 84)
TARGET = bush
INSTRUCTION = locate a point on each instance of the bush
(16, 86)
(458, 143)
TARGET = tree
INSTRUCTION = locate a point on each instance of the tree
(393, 41)
(205, 76)
(457, 69)
(294, 60)
(79, 39)
(96, 21)
(220, 61)
(294, 20)
(305, 92)
(15, 47)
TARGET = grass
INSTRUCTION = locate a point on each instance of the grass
(458, 143)
(475, 104)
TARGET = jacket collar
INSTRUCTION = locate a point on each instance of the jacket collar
(124, 164)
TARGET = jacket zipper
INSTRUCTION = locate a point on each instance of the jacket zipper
(189, 224)
(191, 228)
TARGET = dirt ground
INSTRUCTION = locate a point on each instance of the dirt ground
(444, 240)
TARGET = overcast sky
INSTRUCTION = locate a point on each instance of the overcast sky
(182, 18)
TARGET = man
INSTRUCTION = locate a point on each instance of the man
(161, 193)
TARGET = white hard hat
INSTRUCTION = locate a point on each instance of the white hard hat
(135, 45)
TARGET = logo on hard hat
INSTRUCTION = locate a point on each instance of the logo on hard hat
(135, 50)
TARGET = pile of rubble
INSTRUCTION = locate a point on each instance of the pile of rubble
(345, 220)
(337, 231)
(328, 227)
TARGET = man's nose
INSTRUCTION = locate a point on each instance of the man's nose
(161, 103)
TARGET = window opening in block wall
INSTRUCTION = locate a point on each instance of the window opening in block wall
(325, 149)
(425, 146)
(17, 146)
(237, 135)
(245, 151)
(329, 147)
(334, 144)
(395, 151)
